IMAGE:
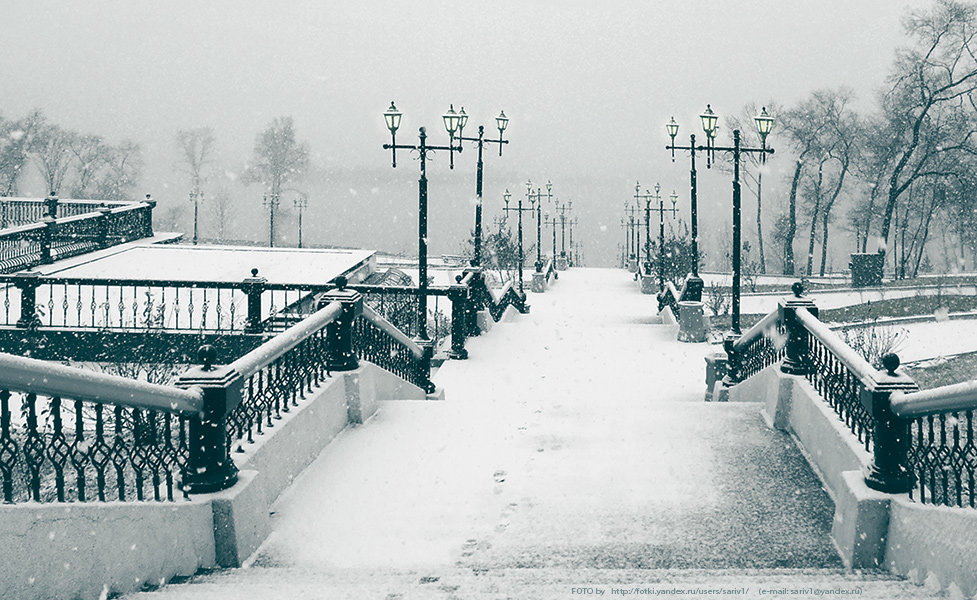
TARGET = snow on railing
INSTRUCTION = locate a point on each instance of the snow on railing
(76, 430)
(922, 442)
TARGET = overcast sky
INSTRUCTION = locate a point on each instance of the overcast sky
(588, 85)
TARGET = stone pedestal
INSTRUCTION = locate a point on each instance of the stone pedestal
(648, 285)
(866, 269)
(561, 263)
(633, 265)
(692, 325)
(539, 283)
(484, 320)
(715, 371)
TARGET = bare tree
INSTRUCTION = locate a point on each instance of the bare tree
(91, 156)
(16, 140)
(932, 85)
(196, 152)
(121, 175)
(277, 160)
(52, 154)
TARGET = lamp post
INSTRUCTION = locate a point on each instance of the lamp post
(638, 196)
(301, 203)
(539, 221)
(501, 123)
(571, 222)
(519, 209)
(764, 123)
(271, 202)
(451, 119)
(196, 196)
(552, 222)
(563, 209)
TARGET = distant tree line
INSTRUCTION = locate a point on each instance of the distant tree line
(71, 164)
(901, 174)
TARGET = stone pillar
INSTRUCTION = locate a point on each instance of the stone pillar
(798, 359)
(209, 466)
(692, 324)
(561, 263)
(648, 285)
(254, 286)
(459, 322)
(27, 283)
(889, 471)
(339, 333)
(539, 283)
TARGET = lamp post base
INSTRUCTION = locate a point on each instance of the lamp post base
(539, 283)
(561, 263)
(648, 284)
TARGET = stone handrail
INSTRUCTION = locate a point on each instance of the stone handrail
(264, 355)
(390, 330)
(27, 375)
(948, 398)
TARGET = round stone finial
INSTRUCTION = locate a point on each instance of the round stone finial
(207, 354)
(254, 272)
(458, 278)
(341, 282)
(798, 288)
(890, 362)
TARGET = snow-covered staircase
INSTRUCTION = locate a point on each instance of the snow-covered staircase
(536, 584)
(572, 453)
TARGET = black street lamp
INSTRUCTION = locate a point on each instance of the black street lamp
(647, 196)
(562, 210)
(519, 209)
(301, 203)
(552, 222)
(571, 223)
(196, 196)
(451, 120)
(633, 243)
(538, 196)
(271, 202)
(764, 123)
(501, 122)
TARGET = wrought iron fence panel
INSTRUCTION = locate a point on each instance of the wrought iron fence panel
(55, 449)
(763, 351)
(276, 388)
(943, 456)
(841, 389)
(371, 343)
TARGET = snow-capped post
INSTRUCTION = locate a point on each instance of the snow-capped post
(733, 375)
(254, 286)
(209, 466)
(26, 283)
(103, 226)
(891, 437)
(339, 333)
(798, 352)
(51, 206)
(427, 347)
(47, 234)
(458, 294)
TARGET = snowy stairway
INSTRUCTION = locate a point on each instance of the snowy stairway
(572, 449)
(528, 584)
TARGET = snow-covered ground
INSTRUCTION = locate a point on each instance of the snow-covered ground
(762, 304)
(919, 341)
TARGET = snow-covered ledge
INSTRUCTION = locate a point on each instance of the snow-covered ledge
(871, 529)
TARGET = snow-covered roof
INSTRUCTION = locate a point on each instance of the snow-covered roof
(223, 263)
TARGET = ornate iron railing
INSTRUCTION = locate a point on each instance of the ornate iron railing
(46, 240)
(380, 342)
(279, 373)
(761, 346)
(82, 435)
(840, 375)
(67, 434)
(922, 442)
(15, 212)
(943, 449)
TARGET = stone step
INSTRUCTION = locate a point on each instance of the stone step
(541, 584)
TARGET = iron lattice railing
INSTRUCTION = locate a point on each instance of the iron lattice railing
(109, 439)
(922, 441)
(377, 344)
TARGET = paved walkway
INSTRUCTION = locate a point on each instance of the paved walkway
(572, 448)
